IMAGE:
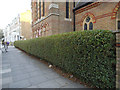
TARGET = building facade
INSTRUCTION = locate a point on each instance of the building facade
(19, 28)
(49, 18)
(25, 25)
(12, 30)
(97, 15)
(6, 32)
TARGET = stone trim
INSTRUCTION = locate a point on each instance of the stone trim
(87, 7)
(43, 18)
(53, 5)
(104, 15)
(68, 19)
(117, 31)
(93, 17)
(115, 11)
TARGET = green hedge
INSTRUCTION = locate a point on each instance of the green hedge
(88, 55)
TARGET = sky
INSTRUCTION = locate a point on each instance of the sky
(9, 9)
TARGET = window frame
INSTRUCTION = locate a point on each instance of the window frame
(67, 9)
(36, 10)
(85, 26)
(39, 9)
(91, 28)
(43, 8)
(88, 23)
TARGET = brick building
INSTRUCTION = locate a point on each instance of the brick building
(97, 15)
(49, 18)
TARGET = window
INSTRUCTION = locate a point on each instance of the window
(43, 8)
(87, 19)
(85, 26)
(88, 24)
(36, 10)
(91, 26)
(67, 9)
(118, 19)
(39, 9)
(119, 25)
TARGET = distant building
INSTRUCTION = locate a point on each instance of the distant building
(25, 23)
(19, 28)
(12, 30)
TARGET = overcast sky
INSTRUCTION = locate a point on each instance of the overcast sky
(9, 9)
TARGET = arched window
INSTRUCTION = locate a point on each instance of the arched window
(88, 23)
(85, 26)
(91, 26)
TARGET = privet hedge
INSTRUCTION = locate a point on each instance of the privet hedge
(88, 55)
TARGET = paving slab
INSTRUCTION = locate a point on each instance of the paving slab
(37, 80)
(49, 84)
(20, 84)
(63, 81)
(36, 73)
(21, 77)
(6, 80)
(20, 70)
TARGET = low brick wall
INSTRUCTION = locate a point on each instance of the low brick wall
(117, 59)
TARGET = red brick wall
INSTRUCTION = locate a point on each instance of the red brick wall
(56, 23)
(103, 13)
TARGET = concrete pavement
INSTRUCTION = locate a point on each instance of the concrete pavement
(22, 71)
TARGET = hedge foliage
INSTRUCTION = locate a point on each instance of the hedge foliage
(88, 55)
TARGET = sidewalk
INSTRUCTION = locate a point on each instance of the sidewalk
(22, 71)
